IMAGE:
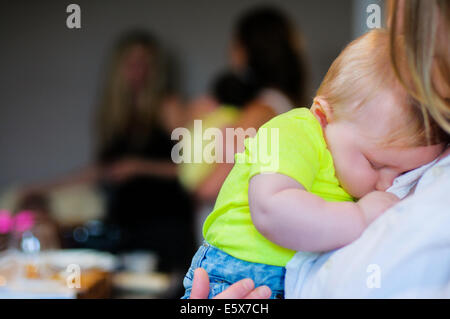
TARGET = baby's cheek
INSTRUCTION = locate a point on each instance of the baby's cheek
(366, 183)
(359, 180)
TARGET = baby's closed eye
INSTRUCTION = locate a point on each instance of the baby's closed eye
(375, 165)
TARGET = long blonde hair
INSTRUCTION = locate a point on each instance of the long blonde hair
(118, 114)
(419, 25)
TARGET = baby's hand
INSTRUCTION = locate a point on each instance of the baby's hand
(376, 203)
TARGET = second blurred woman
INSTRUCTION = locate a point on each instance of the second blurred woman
(267, 54)
(266, 51)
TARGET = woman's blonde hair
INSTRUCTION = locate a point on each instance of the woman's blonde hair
(121, 114)
(421, 22)
(362, 70)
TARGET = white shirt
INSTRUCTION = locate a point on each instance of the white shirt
(405, 253)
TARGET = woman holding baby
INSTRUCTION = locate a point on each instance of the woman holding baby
(404, 252)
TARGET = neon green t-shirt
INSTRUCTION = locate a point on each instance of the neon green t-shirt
(291, 144)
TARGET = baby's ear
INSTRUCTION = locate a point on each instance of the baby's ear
(322, 111)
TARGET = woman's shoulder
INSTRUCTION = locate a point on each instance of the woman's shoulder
(437, 176)
(275, 99)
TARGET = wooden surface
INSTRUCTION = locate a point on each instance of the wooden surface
(95, 283)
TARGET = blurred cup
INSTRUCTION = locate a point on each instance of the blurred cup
(140, 261)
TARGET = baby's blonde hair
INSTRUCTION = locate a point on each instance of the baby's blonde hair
(362, 70)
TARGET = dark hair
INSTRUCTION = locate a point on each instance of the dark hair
(229, 88)
(275, 58)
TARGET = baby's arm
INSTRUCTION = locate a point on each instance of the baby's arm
(286, 214)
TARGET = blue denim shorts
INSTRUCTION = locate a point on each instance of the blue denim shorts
(224, 270)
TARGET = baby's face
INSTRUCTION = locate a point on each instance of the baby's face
(361, 164)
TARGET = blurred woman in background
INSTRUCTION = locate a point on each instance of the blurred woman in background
(146, 208)
(136, 118)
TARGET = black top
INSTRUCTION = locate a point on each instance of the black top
(153, 213)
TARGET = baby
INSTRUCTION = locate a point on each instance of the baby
(360, 133)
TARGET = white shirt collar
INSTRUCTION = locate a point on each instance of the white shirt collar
(404, 183)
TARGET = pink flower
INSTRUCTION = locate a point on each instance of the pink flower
(6, 222)
(24, 221)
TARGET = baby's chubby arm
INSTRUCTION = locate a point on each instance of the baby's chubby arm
(288, 215)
